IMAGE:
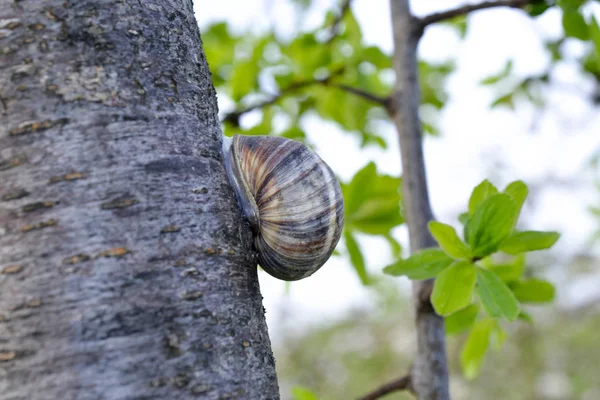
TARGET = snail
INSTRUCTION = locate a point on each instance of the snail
(292, 200)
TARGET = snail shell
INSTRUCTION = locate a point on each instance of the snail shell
(292, 200)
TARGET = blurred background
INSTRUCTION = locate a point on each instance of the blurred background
(507, 94)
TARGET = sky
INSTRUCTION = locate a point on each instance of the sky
(549, 151)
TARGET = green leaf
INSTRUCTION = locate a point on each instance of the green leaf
(464, 218)
(302, 393)
(394, 244)
(453, 288)
(377, 57)
(432, 78)
(306, 55)
(352, 30)
(265, 126)
(497, 337)
(537, 8)
(570, 4)
(520, 242)
(294, 132)
(497, 299)
(356, 257)
(526, 317)
(481, 192)
(448, 240)
(490, 224)
(517, 191)
(574, 24)
(471, 356)
(534, 291)
(243, 79)
(595, 35)
(424, 264)
(507, 100)
(459, 23)
(461, 320)
(372, 202)
(501, 75)
(512, 271)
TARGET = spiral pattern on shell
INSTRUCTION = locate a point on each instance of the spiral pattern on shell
(292, 200)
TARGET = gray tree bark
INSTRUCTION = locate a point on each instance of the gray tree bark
(429, 375)
(125, 267)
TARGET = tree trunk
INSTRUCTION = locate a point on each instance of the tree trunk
(125, 266)
(429, 375)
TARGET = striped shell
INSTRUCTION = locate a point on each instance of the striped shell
(291, 198)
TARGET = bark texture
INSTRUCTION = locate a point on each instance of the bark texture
(429, 375)
(125, 266)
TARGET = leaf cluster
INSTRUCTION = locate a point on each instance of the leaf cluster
(468, 280)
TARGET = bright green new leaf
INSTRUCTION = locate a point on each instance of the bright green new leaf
(534, 291)
(517, 191)
(372, 202)
(512, 271)
(475, 348)
(448, 240)
(424, 264)
(520, 242)
(356, 257)
(461, 320)
(453, 288)
(481, 192)
(497, 299)
(490, 224)
(302, 393)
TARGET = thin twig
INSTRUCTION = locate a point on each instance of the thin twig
(338, 20)
(234, 117)
(403, 383)
(468, 8)
(382, 101)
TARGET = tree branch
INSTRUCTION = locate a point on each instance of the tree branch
(468, 8)
(403, 383)
(336, 23)
(234, 116)
(429, 374)
(382, 101)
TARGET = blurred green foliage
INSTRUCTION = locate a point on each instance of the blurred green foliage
(482, 279)
(283, 81)
(555, 358)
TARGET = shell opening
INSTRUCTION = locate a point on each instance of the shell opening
(240, 187)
